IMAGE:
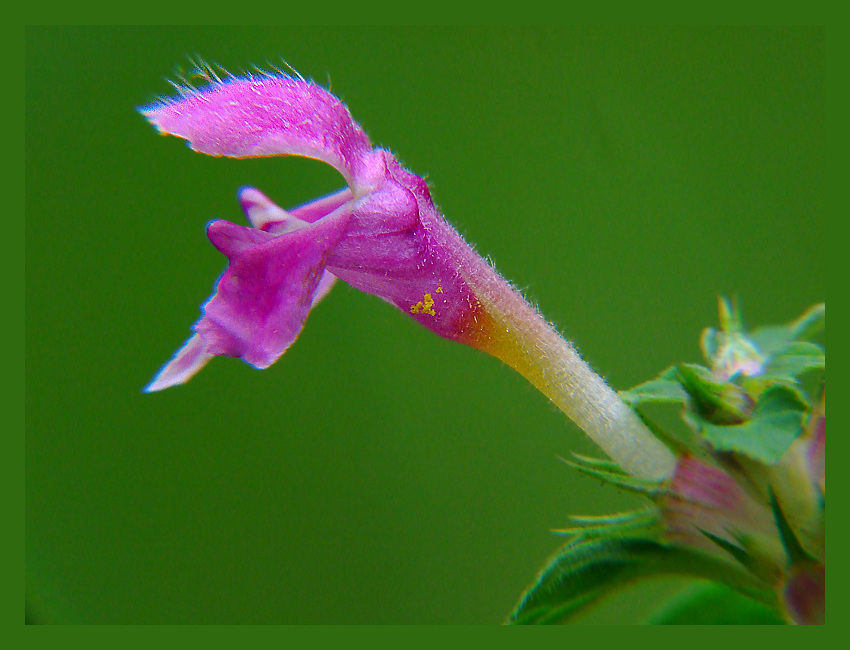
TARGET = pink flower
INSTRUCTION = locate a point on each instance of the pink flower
(383, 236)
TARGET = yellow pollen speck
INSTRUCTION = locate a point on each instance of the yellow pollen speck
(439, 289)
(424, 306)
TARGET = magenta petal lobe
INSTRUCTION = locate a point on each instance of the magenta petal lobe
(231, 240)
(315, 210)
(266, 116)
(269, 287)
(186, 362)
(263, 213)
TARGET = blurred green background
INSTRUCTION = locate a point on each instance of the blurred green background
(378, 474)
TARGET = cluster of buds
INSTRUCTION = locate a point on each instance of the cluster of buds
(751, 483)
(744, 505)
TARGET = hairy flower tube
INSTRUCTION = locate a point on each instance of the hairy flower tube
(382, 235)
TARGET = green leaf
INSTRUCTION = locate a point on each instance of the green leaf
(714, 604)
(754, 564)
(709, 342)
(794, 359)
(805, 328)
(775, 423)
(665, 388)
(734, 550)
(810, 324)
(748, 550)
(793, 548)
(635, 523)
(730, 315)
(584, 571)
(609, 472)
(718, 402)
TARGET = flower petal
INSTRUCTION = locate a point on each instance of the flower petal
(186, 362)
(315, 210)
(268, 289)
(262, 299)
(269, 116)
(264, 214)
(399, 248)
